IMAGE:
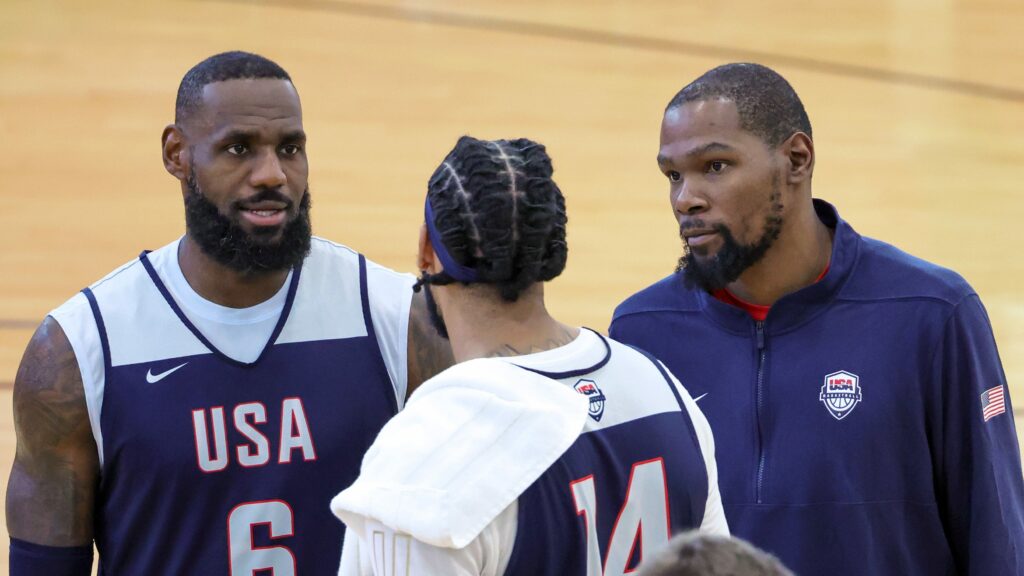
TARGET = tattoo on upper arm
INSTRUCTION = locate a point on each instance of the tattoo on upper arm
(50, 495)
(429, 353)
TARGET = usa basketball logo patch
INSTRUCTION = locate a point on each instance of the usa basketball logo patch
(589, 389)
(840, 393)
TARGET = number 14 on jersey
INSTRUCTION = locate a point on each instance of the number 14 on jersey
(643, 519)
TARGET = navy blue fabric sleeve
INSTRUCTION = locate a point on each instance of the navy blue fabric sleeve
(615, 331)
(979, 481)
(28, 559)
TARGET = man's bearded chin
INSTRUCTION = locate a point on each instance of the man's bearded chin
(224, 240)
(732, 259)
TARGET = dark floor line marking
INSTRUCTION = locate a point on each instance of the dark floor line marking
(605, 38)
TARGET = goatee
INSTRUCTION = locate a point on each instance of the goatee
(732, 259)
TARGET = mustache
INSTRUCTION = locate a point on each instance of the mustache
(266, 195)
(698, 224)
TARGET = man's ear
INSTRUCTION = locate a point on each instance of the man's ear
(175, 152)
(799, 151)
(426, 259)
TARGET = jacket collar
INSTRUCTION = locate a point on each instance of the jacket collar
(798, 307)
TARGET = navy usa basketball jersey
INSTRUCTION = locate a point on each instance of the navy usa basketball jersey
(635, 465)
(634, 477)
(215, 465)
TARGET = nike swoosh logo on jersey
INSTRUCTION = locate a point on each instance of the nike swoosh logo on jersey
(697, 399)
(154, 378)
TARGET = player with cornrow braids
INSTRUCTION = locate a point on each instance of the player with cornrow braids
(547, 447)
(511, 227)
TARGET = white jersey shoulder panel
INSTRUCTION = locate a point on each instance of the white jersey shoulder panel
(140, 325)
(113, 293)
(328, 305)
(76, 320)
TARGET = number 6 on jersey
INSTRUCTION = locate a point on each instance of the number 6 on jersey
(245, 558)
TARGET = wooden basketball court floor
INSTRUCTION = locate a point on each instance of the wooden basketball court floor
(917, 107)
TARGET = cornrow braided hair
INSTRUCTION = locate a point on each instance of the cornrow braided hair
(499, 213)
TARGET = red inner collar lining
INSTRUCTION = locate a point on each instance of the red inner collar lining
(756, 311)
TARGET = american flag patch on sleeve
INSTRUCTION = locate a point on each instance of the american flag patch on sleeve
(993, 402)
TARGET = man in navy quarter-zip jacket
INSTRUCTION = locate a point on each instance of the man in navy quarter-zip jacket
(859, 405)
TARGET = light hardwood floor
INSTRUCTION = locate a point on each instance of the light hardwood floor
(917, 106)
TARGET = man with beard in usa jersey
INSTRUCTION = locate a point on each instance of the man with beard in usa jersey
(549, 450)
(194, 411)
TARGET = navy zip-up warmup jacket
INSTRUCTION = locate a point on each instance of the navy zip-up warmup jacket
(850, 426)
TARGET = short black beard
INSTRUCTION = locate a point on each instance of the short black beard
(436, 320)
(732, 258)
(224, 240)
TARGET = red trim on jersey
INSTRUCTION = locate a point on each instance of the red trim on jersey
(756, 311)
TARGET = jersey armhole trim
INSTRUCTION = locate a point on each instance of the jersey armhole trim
(664, 374)
(686, 416)
(364, 295)
(95, 422)
(105, 345)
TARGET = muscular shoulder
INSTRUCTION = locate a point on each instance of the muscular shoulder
(49, 496)
(886, 272)
(49, 364)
